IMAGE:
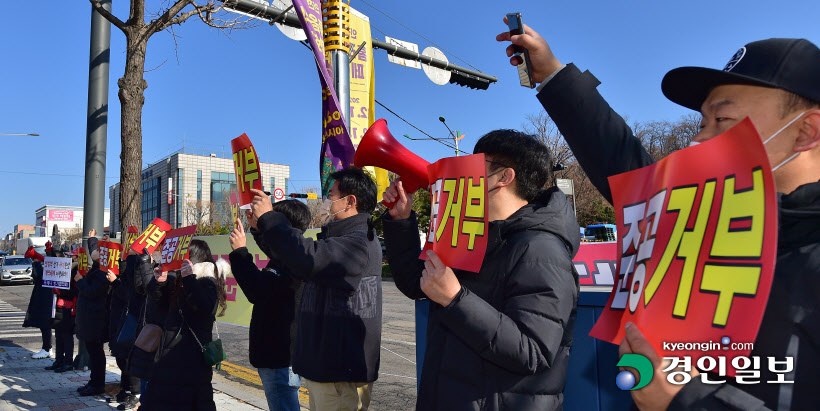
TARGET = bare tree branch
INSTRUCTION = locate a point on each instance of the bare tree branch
(107, 15)
(164, 20)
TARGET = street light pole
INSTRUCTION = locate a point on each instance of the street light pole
(97, 123)
(455, 139)
(20, 134)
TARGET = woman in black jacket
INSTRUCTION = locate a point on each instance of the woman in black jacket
(181, 378)
(63, 324)
(92, 319)
(122, 293)
(38, 313)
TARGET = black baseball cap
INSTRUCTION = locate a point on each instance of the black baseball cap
(789, 64)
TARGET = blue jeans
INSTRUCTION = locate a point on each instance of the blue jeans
(281, 388)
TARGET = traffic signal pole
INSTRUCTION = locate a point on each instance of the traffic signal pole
(460, 75)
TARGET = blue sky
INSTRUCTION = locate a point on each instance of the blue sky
(261, 83)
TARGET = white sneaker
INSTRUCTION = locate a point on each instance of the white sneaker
(42, 354)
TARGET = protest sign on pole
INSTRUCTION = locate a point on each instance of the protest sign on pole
(458, 207)
(247, 170)
(57, 272)
(110, 254)
(151, 238)
(83, 261)
(697, 241)
(175, 248)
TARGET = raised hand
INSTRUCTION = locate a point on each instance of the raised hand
(543, 61)
(403, 202)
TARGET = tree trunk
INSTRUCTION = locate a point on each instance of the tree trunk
(132, 85)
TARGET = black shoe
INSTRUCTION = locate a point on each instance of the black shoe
(130, 404)
(53, 366)
(123, 396)
(64, 368)
(92, 391)
(84, 387)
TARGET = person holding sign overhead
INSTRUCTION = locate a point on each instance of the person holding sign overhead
(499, 338)
(774, 83)
(339, 322)
(92, 319)
(275, 295)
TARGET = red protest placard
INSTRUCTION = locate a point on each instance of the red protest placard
(458, 221)
(697, 241)
(110, 254)
(130, 236)
(83, 262)
(150, 239)
(175, 247)
(246, 168)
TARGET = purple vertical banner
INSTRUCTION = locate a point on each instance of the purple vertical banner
(337, 149)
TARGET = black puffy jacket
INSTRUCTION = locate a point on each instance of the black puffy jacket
(92, 306)
(179, 358)
(274, 294)
(504, 341)
(340, 314)
(791, 322)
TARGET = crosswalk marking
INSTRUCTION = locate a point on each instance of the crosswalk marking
(11, 320)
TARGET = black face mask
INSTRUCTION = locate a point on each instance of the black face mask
(488, 179)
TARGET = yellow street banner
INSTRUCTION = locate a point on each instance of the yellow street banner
(239, 308)
(363, 89)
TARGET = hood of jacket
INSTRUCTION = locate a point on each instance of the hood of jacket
(799, 213)
(206, 269)
(550, 212)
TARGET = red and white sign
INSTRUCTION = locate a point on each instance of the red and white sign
(697, 242)
(175, 247)
(110, 254)
(59, 215)
(278, 194)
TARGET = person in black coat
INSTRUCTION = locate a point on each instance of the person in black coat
(774, 83)
(92, 322)
(63, 324)
(38, 313)
(122, 293)
(181, 378)
(500, 338)
(275, 295)
(342, 294)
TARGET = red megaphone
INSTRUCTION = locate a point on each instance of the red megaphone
(379, 148)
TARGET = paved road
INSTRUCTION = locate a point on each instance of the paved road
(395, 389)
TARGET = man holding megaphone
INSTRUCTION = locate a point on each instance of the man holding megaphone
(499, 338)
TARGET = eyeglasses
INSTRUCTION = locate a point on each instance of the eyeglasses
(497, 164)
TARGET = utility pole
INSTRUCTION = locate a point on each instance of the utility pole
(97, 124)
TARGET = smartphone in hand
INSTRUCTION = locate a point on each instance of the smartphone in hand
(517, 27)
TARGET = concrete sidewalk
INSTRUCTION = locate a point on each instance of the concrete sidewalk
(26, 385)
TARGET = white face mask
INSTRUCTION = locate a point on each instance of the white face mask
(782, 163)
(325, 216)
(792, 157)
